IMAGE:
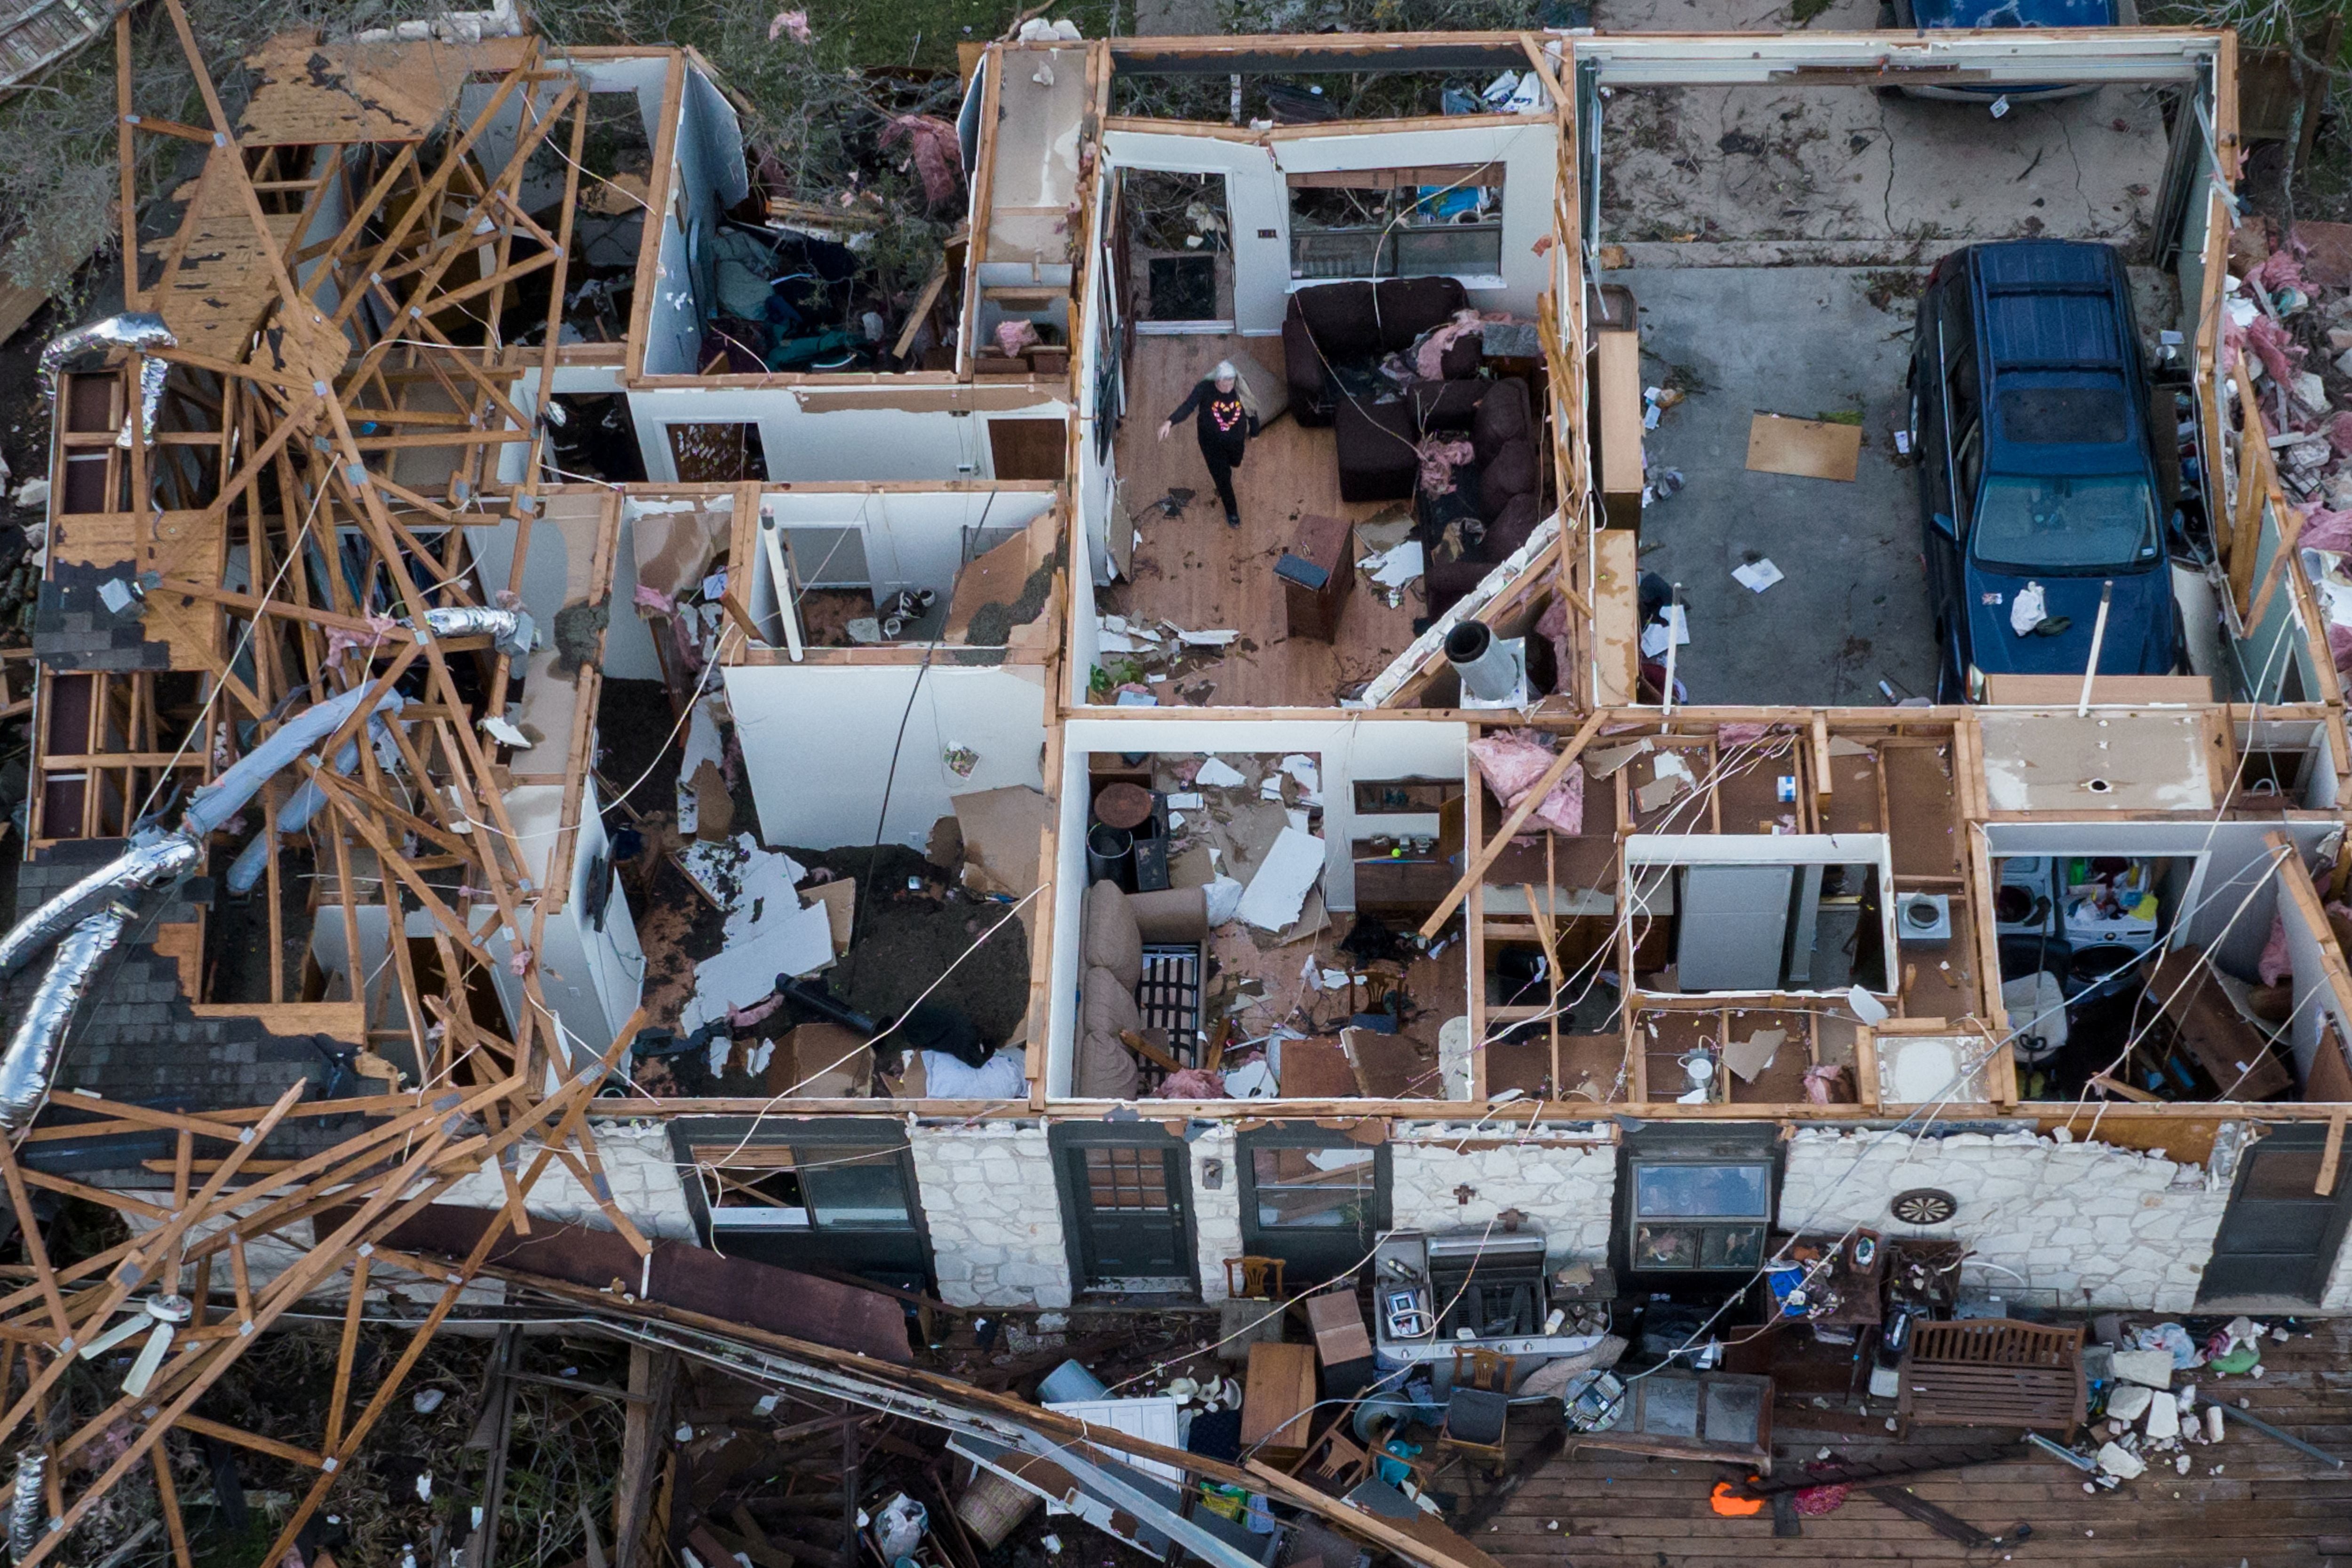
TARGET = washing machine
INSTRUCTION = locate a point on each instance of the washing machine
(2025, 896)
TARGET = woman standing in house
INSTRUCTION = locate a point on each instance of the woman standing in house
(1224, 413)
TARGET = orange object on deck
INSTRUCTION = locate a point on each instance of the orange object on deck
(1731, 1505)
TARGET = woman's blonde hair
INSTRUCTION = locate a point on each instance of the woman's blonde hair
(1225, 368)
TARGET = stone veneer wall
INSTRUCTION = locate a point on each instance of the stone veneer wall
(2051, 1224)
(994, 1215)
(639, 1168)
(1564, 1184)
(1216, 1211)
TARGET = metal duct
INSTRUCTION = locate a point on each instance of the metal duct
(226, 795)
(28, 1504)
(141, 330)
(510, 630)
(292, 817)
(152, 858)
(33, 1048)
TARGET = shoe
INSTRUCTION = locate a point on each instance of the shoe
(1232, 519)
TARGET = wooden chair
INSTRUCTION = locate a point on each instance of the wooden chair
(1254, 1279)
(1477, 1411)
(1335, 1462)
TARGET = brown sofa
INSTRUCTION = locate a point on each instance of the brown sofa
(1506, 487)
(1333, 324)
(1116, 925)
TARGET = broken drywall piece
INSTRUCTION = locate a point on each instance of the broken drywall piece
(1750, 1056)
(743, 973)
(1807, 449)
(1278, 892)
(2151, 1369)
(1218, 774)
(1395, 568)
(1225, 898)
(1757, 576)
(751, 884)
(2129, 1401)
(504, 734)
(1218, 638)
(1303, 768)
(2119, 1461)
(1601, 763)
(2163, 1419)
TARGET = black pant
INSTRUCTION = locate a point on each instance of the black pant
(1222, 460)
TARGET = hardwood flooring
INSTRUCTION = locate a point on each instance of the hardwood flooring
(1195, 571)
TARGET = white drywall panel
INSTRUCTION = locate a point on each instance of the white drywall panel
(818, 743)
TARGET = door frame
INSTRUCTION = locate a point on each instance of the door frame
(2309, 1137)
(1065, 1138)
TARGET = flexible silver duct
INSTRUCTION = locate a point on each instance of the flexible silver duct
(512, 630)
(292, 817)
(153, 857)
(25, 1070)
(142, 330)
(28, 1504)
(225, 796)
(89, 930)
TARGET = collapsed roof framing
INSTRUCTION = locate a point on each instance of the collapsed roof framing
(332, 408)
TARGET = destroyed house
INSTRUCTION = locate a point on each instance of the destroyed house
(817, 778)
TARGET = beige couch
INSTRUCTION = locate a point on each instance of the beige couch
(1110, 964)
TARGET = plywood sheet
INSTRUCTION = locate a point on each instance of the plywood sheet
(2107, 761)
(311, 94)
(1617, 614)
(224, 285)
(1810, 449)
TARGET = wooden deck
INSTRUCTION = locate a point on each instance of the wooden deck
(2249, 1500)
(1195, 571)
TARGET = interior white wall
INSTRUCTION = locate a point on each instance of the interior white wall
(706, 175)
(1258, 204)
(1069, 903)
(913, 539)
(1259, 199)
(830, 442)
(590, 978)
(818, 742)
(2316, 1004)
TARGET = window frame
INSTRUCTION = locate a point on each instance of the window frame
(1310, 1248)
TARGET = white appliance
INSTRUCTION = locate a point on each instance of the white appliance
(2037, 896)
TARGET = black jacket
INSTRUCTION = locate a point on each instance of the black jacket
(1219, 420)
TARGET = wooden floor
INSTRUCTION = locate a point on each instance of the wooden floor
(2249, 1500)
(1195, 571)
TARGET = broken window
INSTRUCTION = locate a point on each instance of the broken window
(1440, 219)
(814, 1187)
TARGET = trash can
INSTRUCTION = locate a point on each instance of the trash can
(1110, 855)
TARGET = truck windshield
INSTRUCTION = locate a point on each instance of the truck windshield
(2066, 523)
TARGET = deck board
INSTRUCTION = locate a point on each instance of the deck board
(2249, 1498)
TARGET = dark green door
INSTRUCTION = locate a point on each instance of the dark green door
(2280, 1234)
(1126, 1201)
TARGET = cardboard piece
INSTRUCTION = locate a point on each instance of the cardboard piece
(1809, 449)
(837, 1062)
(1750, 1056)
(1337, 1322)
(714, 808)
(1002, 839)
(839, 898)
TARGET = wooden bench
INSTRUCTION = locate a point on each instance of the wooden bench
(1992, 1371)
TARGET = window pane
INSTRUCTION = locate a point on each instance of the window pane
(849, 1187)
(1325, 1187)
(1671, 1191)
